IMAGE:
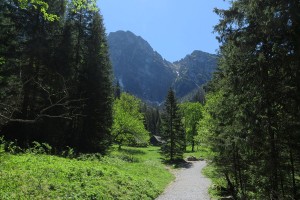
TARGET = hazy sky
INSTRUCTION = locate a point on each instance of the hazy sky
(174, 28)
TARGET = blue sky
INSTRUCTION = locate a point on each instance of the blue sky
(174, 28)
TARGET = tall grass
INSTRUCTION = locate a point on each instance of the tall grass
(132, 173)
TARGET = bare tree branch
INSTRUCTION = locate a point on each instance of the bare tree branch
(66, 108)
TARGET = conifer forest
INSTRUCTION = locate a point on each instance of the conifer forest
(71, 129)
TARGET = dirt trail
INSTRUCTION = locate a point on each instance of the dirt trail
(189, 184)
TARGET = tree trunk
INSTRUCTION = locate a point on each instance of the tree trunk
(293, 174)
(231, 187)
(193, 144)
(172, 137)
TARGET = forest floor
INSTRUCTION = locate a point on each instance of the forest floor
(190, 183)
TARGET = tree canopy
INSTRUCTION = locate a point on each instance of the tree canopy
(192, 113)
(172, 129)
(128, 126)
(55, 75)
(254, 111)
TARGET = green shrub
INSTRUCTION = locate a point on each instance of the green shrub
(39, 148)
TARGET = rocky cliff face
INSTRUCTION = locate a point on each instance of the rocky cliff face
(194, 70)
(138, 68)
(143, 72)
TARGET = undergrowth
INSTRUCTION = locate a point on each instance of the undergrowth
(131, 173)
(218, 182)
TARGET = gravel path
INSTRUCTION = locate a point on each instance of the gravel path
(190, 184)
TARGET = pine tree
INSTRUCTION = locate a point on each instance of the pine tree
(10, 83)
(91, 77)
(55, 74)
(96, 79)
(173, 132)
(117, 90)
(152, 119)
(254, 117)
(29, 54)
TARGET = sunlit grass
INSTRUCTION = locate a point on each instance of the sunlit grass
(200, 151)
(132, 173)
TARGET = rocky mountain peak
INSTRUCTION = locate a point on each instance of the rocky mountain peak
(143, 72)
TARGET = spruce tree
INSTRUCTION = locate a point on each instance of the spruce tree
(152, 119)
(173, 132)
(55, 74)
(91, 78)
(97, 81)
(117, 90)
(28, 51)
(255, 117)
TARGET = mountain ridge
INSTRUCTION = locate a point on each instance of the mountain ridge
(142, 71)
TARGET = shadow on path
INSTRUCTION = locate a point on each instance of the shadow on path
(179, 164)
(189, 183)
(185, 165)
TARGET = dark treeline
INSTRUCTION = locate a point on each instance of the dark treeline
(55, 74)
(255, 106)
(153, 114)
(152, 119)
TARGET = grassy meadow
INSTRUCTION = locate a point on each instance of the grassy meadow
(202, 152)
(130, 173)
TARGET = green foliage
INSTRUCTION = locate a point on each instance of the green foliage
(68, 153)
(2, 145)
(55, 82)
(172, 130)
(2, 61)
(251, 120)
(35, 148)
(205, 125)
(95, 86)
(200, 152)
(89, 5)
(128, 126)
(152, 119)
(9, 146)
(192, 113)
(39, 5)
(31, 176)
(218, 183)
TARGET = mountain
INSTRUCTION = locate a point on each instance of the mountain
(194, 70)
(143, 72)
(139, 69)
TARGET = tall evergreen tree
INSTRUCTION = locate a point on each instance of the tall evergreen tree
(152, 119)
(96, 79)
(173, 132)
(117, 90)
(256, 115)
(55, 74)
(30, 57)
(91, 77)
